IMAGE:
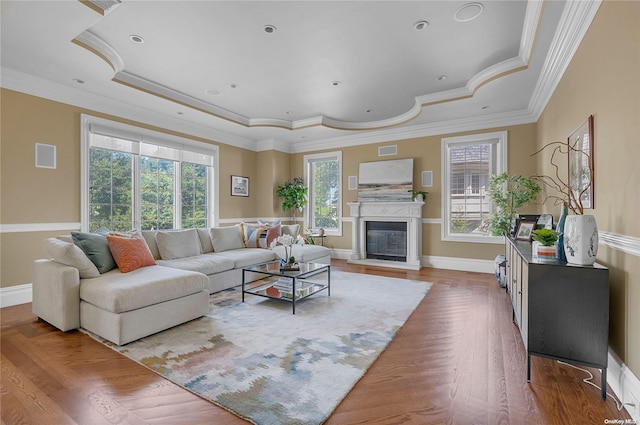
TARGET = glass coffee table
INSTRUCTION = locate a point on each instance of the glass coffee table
(291, 286)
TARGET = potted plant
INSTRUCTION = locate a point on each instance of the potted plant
(418, 195)
(544, 244)
(294, 195)
(509, 193)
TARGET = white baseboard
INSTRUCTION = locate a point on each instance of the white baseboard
(624, 384)
(14, 295)
(462, 264)
(448, 263)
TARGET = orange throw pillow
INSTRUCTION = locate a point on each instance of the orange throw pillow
(130, 253)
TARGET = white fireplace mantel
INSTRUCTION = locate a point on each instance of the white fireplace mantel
(399, 211)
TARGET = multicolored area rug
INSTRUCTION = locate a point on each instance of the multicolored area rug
(261, 362)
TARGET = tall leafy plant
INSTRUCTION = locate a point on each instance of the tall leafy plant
(294, 195)
(509, 193)
(561, 185)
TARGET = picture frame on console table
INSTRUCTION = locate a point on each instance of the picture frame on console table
(239, 186)
(525, 229)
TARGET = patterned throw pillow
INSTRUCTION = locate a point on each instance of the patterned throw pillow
(259, 235)
(250, 234)
(130, 253)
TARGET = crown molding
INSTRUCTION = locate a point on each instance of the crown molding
(530, 28)
(574, 23)
(29, 84)
(273, 145)
(101, 6)
(412, 132)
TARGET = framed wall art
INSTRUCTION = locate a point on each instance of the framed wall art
(580, 148)
(390, 180)
(239, 186)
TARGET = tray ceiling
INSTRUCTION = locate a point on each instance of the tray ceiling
(289, 73)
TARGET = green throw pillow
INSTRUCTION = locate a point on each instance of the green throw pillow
(95, 246)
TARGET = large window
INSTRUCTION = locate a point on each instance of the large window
(468, 163)
(324, 180)
(138, 179)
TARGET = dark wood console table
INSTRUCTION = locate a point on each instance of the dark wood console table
(562, 310)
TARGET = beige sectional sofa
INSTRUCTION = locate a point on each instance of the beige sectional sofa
(69, 292)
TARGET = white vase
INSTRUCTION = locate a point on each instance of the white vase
(581, 239)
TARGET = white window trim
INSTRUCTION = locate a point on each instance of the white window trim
(118, 129)
(307, 159)
(501, 165)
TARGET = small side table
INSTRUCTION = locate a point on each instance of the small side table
(318, 236)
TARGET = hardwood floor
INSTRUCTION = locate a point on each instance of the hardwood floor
(457, 360)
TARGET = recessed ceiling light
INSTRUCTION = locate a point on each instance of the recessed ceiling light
(421, 25)
(468, 12)
(136, 38)
(270, 29)
(288, 112)
(78, 80)
(441, 77)
(212, 92)
(335, 83)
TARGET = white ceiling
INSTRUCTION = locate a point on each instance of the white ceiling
(210, 69)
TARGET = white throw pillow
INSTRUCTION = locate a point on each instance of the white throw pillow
(205, 240)
(70, 255)
(290, 229)
(178, 244)
(226, 238)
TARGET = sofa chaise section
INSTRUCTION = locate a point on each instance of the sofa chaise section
(120, 307)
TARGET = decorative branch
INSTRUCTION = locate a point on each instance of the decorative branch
(557, 183)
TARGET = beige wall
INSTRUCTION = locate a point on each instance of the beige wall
(31, 195)
(426, 152)
(273, 168)
(237, 162)
(603, 80)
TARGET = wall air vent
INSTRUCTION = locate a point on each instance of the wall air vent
(45, 156)
(427, 178)
(388, 150)
(353, 182)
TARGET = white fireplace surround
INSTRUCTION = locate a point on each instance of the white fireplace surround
(407, 212)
